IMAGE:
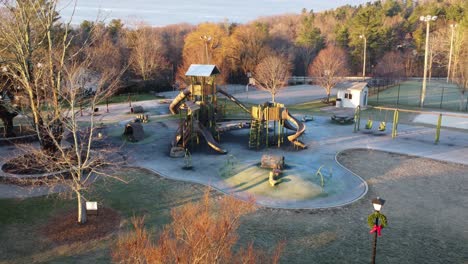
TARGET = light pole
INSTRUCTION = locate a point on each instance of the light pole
(376, 222)
(452, 26)
(206, 39)
(364, 59)
(249, 75)
(426, 19)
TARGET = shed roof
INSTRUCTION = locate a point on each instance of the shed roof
(358, 86)
(203, 70)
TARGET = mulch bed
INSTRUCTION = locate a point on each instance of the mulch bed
(64, 228)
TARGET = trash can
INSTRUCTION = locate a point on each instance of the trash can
(339, 103)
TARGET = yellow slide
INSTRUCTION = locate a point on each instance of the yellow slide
(299, 127)
(208, 137)
(173, 107)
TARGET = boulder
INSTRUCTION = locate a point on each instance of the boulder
(272, 162)
(137, 109)
(177, 152)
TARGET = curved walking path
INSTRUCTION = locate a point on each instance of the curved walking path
(324, 139)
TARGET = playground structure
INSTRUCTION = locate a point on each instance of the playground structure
(199, 114)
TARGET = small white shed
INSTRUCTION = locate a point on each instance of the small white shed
(353, 96)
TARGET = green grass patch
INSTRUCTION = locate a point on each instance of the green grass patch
(146, 194)
(439, 94)
(125, 98)
(312, 108)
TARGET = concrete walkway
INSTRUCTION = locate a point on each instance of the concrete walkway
(324, 139)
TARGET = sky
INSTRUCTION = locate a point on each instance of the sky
(165, 12)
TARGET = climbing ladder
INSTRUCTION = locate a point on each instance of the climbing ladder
(255, 134)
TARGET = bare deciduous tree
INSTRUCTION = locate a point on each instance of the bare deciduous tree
(146, 52)
(58, 80)
(272, 74)
(392, 65)
(329, 67)
(203, 232)
(80, 165)
(34, 50)
(460, 65)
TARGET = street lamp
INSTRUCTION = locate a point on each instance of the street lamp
(376, 222)
(426, 19)
(365, 53)
(452, 26)
(249, 76)
(206, 39)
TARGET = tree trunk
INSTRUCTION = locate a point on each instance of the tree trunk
(81, 208)
(328, 97)
(7, 119)
(462, 100)
(273, 97)
(50, 135)
(8, 123)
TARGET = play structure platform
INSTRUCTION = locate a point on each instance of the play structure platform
(197, 106)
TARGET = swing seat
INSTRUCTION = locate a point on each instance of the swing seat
(382, 126)
(369, 124)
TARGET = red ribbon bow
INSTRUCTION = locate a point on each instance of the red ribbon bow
(378, 229)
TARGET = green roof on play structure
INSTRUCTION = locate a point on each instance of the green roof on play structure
(202, 70)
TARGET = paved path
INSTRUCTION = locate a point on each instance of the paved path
(288, 95)
(324, 139)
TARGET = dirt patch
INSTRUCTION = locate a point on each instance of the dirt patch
(37, 163)
(64, 228)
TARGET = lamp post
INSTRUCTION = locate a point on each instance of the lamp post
(373, 221)
(452, 27)
(249, 75)
(206, 39)
(364, 59)
(426, 19)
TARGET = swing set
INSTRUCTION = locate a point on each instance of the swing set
(383, 124)
(396, 116)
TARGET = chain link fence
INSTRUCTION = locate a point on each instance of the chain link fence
(439, 94)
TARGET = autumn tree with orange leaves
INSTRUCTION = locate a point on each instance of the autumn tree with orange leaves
(203, 232)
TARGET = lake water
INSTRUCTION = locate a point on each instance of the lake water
(163, 12)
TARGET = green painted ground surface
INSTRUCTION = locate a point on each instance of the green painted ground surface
(293, 185)
(439, 94)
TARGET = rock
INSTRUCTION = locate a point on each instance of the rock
(177, 152)
(137, 109)
(272, 162)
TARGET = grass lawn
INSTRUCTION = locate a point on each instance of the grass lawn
(21, 240)
(123, 98)
(310, 108)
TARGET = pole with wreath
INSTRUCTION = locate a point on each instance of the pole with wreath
(376, 221)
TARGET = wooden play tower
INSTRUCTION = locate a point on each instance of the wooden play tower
(262, 116)
(197, 108)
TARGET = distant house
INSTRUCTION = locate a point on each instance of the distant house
(353, 96)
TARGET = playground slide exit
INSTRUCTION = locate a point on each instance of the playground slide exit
(292, 123)
(208, 137)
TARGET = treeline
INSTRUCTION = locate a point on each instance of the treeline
(157, 57)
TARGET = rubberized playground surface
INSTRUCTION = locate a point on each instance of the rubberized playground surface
(324, 139)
